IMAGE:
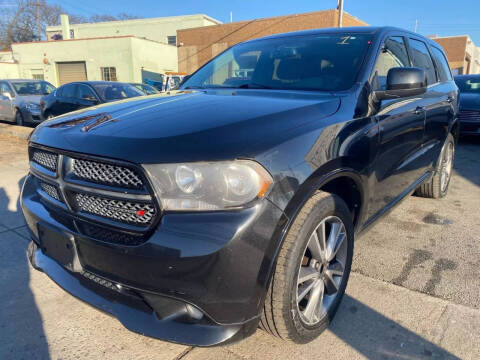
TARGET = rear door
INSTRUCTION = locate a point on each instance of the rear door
(67, 101)
(440, 108)
(401, 126)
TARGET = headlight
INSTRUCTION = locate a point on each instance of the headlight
(209, 185)
(32, 107)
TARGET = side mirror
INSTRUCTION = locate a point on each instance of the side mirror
(7, 95)
(91, 99)
(403, 82)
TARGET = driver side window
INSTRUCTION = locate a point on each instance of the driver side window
(393, 54)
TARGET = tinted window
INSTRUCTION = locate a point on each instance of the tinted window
(116, 91)
(442, 64)
(85, 92)
(393, 54)
(310, 62)
(468, 84)
(68, 91)
(421, 59)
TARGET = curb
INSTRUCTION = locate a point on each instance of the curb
(20, 132)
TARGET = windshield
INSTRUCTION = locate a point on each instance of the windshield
(112, 92)
(468, 84)
(147, 89)
(325, 62)
(33, 87)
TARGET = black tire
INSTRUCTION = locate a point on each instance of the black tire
(282, 316)
(18, 117)
(437, 187)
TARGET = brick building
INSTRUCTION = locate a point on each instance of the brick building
(198, 45)
(463, 56)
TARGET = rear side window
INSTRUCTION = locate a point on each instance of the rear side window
(442, 64)
(421, 59)
(68, 91)
(393, 54)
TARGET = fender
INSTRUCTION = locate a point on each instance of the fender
(308, 188)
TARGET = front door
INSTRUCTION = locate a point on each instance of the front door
(401, 127)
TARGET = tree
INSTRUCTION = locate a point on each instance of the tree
(18, 20)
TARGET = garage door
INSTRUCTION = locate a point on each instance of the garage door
(71, 71)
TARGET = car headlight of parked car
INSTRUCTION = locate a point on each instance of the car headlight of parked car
(33, 108)
(209, 185)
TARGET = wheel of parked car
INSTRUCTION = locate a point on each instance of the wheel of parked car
(437, 187)
(312, 270)
(19, 118)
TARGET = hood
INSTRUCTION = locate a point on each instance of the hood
(469, 101)
(185, 125)
(24, 99)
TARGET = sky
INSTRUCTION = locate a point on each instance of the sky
(440, 17)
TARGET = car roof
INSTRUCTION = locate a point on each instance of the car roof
(373, 30)
(97, 83)
(467, 76)
(21, 80)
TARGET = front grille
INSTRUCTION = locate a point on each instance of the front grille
(44, 158)
(107, 174)
(119, 210)
(50, 190)
(469, 115)
(110, 236)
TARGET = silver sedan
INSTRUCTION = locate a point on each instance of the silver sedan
(20, 100)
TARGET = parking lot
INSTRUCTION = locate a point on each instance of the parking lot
(414, 292)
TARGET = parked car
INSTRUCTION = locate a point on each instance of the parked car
(235, 201)
(469, 115)
(79, 95)
(20, 100)
(145, 88)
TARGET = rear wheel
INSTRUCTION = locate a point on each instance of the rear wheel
(19, 118)
(437, 187)
(312, 271)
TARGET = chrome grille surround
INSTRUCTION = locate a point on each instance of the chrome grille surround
(119, 210)
(108, 174)
(469, 115)
(45, 158)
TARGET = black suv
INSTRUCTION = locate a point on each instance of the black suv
(80, 95)
(196, 216)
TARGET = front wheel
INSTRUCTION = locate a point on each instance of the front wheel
(437, 187)
(312, 271)
(19, 118)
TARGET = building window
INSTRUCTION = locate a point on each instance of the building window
(109, 74)
(38, 77)
(72, 34)
(172, 40)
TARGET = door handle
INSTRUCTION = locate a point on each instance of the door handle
(419, 110)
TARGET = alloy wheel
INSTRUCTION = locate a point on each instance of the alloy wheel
(321, 270)
(447, 166)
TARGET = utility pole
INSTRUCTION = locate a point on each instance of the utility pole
(340, 12)
(231, 16)
(39, 27)
(416, 25)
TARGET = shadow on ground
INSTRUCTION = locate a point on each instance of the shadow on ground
(21, 331)
(378, 337)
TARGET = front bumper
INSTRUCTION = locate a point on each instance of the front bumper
(218, 262)
(32, 117)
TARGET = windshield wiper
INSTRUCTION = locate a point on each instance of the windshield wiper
(254, 86)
